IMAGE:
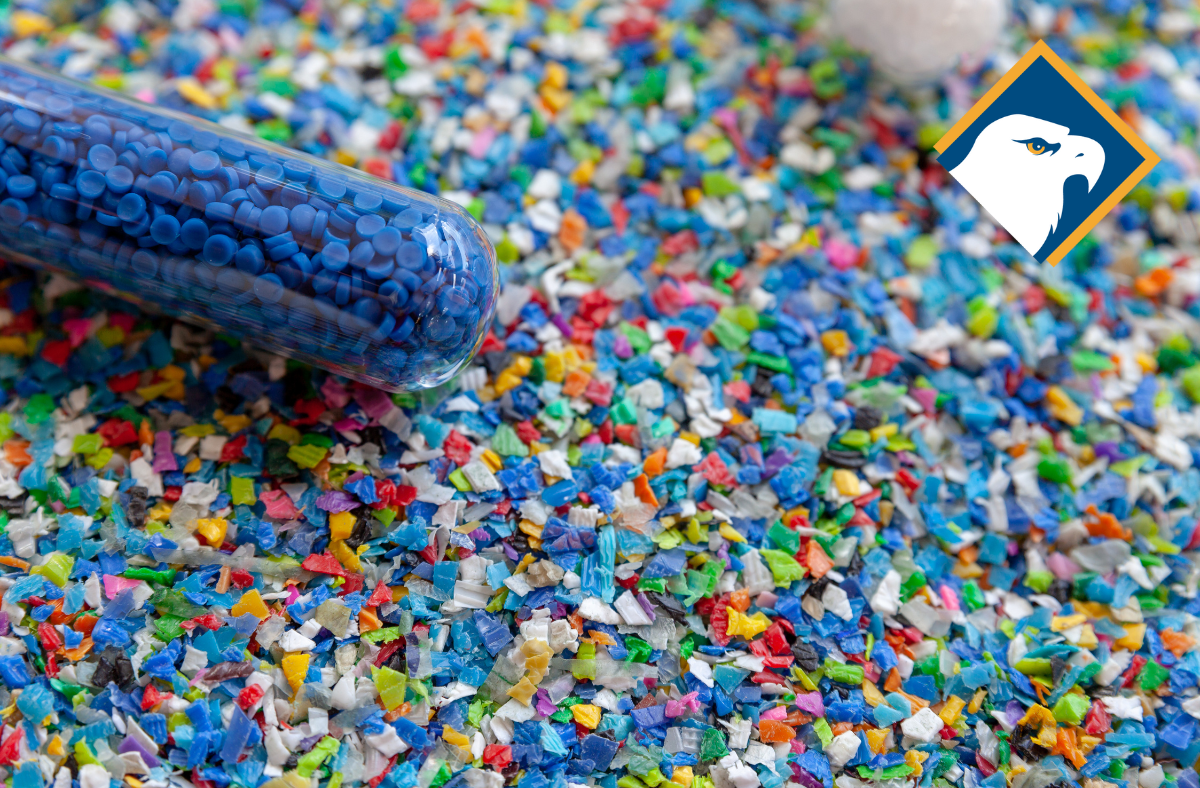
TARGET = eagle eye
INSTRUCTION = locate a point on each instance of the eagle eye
(1038, 146)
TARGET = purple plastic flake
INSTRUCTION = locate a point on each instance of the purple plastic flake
(544, 706)
(131, 744)
(811, 702)
(645, 603)
(336, 501)
(164, 457)
(375, 403)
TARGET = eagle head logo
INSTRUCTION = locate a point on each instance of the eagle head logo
(1017, 168)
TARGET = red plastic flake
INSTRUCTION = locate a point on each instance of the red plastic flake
(233, 450)
(714, 469)
(324, 564)
(209, 621)
(627, 582)
(775, 640)
(677, 336)
(377, 779)
(595, 307)
(497, 755)
(117, 433)
(1130, 674)
(151, 696)
(52, 665)
(681, 242)
(57, 352)
(49, 636)
(240, 578)
(1098, 720)
(246, 699)
(380, 595)
(308, 410)
(883, 361)
(527, 432)
(457, 448)
(123, 384)
(172, 494)
(10, 750)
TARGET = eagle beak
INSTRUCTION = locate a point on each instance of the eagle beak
(1084, 156)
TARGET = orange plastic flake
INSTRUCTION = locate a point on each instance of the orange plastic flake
(1106, 525)
(1153, 283)
(877, 739)
(1066, 746)
(1176, 642)
(641, 486)
(771, 731)
(14, 452)
(653, 466)
(740, 600)
(368, 620)
(571, 232)
(577, 383)
(818, 562)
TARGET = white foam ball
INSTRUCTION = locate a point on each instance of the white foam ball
(919, 40)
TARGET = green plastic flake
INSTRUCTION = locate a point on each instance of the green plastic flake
(168, 601)
(1039, 580)
(1071, 708)
(164, 577)
(168, 627)
(506, 443)
(973, 595)
(785, 569)
(821, 726)
(312, 760)
(730, 334)
(921, 251)
(241, 491)
(843, 672)
(384, 635)
(1152, 676)
(39, 408)
(717, 184)
(639, 650)
(774, 363)
(1055, 470)
(307, 455)
(639, 340)
(56, 568)
(915, 582)
(712, 745)
(1035, 666)
(787, 539)
(87, 444)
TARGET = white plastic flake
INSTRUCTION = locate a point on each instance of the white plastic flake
(923, 726)
(842, 748)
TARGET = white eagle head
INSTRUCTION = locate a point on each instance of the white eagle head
(1017, 169)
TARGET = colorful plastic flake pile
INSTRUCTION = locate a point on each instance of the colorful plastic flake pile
(782, 465)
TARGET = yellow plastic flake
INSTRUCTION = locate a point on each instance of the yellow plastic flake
(871, 693)
(1062, 407)
(1134, 634)
(252, 603)
(55, 748)
(295, 668)
(341, 525)
(586, 715)
(391, 685)
(451, 736)
(555, 366)
(836, 342)
(556, 75)
(13, 346)
(915, 758)
(154, 391)
(492, 460)
(345, 157)
(192, 466)
(537, 659)
(348, 558)
(846, 482)
(523, 690)
(683, 776)
(191, 89)
(285, 433)
(26, 24)
(1087, 637)
(160, 512)
(1063, 623)
(234, 423)
(730, 533)
(877, 739)
(952, 709)
(884, 431)
(213, 529)
(744, 625)
(1038, 715)
(977, 701)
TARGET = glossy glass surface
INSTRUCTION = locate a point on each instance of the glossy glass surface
(295, 254)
